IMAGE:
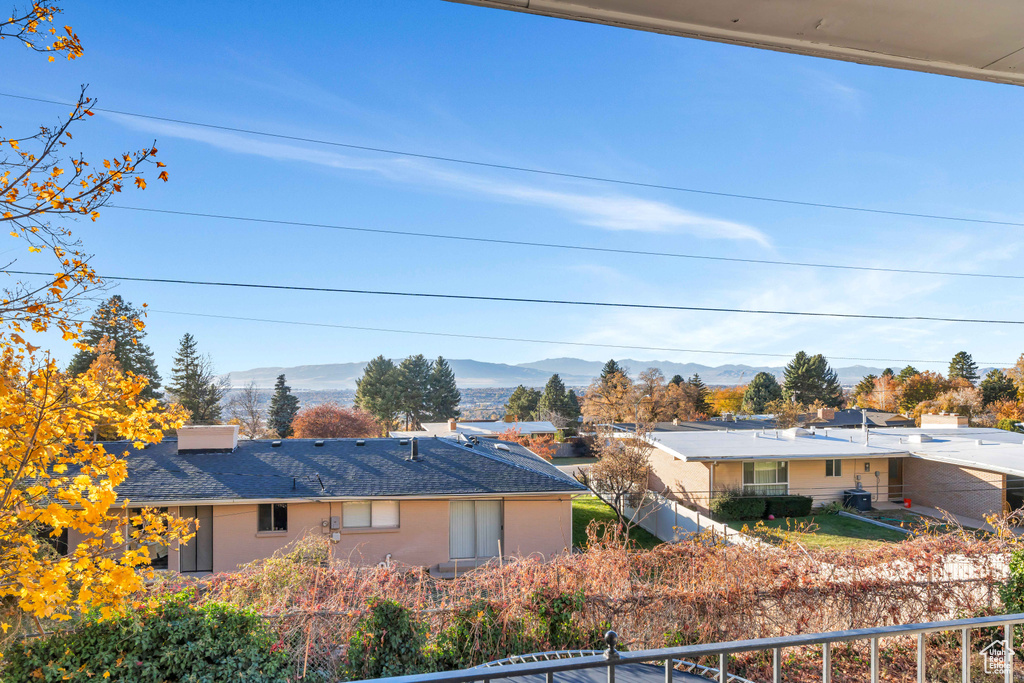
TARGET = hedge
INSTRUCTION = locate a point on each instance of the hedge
(789, 506)
(730, 507)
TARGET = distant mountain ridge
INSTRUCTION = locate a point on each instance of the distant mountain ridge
(474, 373)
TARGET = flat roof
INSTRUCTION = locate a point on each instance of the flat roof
(979, 39)
(990, 449)
(479, 429)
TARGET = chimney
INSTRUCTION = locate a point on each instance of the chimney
(826, 413)
(414, 448)
(452, 424)
(207, 439)
(943, 421)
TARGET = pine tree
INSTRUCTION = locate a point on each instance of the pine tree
(862, 392)
(906, 373)
(377, 391)
(443, 395)
(115, 319)
(700, 395)
(194, 384)
(997, 387)
(809, 380)
(283, 407)
(963, 366)
(553, 400)
(888, 372)
(522, 404)
(572, 404)
(612, 368)
(677, 380)
(413, 385)
(761, 391)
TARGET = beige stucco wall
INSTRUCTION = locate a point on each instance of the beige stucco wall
(960, 490)
(687, 482)
(534, 525)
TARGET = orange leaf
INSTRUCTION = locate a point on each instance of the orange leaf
(140, 183)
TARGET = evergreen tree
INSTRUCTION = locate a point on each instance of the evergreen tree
(761, 391)
(443, 394)
(553, 400)
(572, 404)
(612, 368)
(413, 385)
(809, 380)
(115, 319)
(522, 404)
(888, 372)
(963, 366)
(283, 407)
(865, 387)
(377, 391)
(676, 380)
(997, 387)
(700, 395)
(194, 384)
(906, 373)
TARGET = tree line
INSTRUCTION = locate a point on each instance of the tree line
(413, 391)
(555, 404)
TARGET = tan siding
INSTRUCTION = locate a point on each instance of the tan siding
(537, 526)
(960, 490)
(807, 478)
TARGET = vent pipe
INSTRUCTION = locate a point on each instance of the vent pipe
(414, 448)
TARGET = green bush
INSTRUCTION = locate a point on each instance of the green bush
(386, 642)
(170, 641)
(477, 635)
(788, 506)
(1008, 425)
(729, 506)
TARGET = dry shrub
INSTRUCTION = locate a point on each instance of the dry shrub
(695, 592)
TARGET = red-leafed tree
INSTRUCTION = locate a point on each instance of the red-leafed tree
(542, 444)
(331, 421)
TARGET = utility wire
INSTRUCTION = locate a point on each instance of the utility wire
(458, 335)
(536, 171)
(557, 302)
(556, 245)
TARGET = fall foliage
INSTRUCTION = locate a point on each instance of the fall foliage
(55, 480)
(542, 444)
(331, 421)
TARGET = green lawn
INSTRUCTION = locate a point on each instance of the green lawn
(588, 508)
(829, 531)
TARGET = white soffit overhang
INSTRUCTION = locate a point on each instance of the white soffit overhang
(979, 39)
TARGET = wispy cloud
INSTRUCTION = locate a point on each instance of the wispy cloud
(606, 211)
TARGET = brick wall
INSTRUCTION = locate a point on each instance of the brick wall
(687, 482)
(960, 490)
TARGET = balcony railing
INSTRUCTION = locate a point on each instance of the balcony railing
(612, 660)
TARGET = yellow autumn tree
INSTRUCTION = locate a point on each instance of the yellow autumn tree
(55, 481)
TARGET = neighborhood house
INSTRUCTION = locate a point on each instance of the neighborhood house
(430, 502)
(944, 464)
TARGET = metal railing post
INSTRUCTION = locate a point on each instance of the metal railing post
(611, 654)
(874, 660)
(723, 668)
(549, 677)
(920, 658)
(965, 647)
(826, 662)
(668, 671)
(1009, 656)
(777, 665)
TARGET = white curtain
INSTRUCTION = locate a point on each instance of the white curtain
(355, 515)
(385, 513)
(462, 530)
(488, 527)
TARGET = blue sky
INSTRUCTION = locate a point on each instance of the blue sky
(502, 87)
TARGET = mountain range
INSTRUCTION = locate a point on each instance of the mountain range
(474, 373)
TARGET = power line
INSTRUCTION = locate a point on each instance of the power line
(458, 335)
(536, 171)
(556, 302)
(556, 245)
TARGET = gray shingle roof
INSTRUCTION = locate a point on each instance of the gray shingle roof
(298, 468)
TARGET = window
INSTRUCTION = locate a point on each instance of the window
(364, 514)
(833, 468)
(157, 553)
(766, 478)
(273, 517)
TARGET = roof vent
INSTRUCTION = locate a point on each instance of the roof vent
(360, 442)
(275, 444)
(318, 443)
(414, 449)
(502, 447)
(403, 442)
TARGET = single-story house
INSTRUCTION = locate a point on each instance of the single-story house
(718, 425)
(483, 430)
(966, 471)
(851, 418)
(428, 502)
